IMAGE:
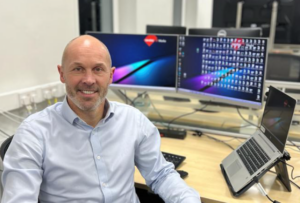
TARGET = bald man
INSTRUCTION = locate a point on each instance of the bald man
(85, 149)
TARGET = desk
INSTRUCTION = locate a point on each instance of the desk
(203, 157)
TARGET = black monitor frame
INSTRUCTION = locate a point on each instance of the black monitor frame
(228, 32)
(163, 29)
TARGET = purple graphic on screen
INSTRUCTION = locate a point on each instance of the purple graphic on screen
(122, 71)
(201, 81)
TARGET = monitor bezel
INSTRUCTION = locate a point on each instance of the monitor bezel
(229, 100)
(144, 87)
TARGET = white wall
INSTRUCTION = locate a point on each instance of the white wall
(155, 12)
(198, 13)
(132, 16)
(32, 37)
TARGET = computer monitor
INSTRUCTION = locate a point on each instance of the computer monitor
(163, 29)
(145, 62)
(227, 70)
(283, 67)
(226, 32)
(258, 13)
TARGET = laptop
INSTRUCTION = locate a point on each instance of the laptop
(266, 146)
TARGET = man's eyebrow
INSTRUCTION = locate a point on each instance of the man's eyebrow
(80, 64)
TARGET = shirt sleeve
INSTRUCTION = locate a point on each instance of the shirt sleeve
(159, 174)
(22, 167)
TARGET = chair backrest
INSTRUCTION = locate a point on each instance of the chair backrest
(4, 146)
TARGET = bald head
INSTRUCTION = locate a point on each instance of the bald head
(85, 42)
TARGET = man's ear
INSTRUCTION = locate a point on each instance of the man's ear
(61, 73)
(112, 71)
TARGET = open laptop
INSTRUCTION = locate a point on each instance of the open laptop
(267, 144)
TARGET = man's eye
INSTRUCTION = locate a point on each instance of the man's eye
(98, 69)
(77, 69)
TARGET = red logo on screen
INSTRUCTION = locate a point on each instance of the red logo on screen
(150, 39)
(237, 43)
(285, 103)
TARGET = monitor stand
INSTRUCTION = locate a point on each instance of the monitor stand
(212, 103)
(176, 99)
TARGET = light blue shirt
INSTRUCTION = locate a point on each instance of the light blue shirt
(56, 157)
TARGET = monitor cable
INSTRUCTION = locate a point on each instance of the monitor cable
(190, 113)
(238, 110)
(139, 95)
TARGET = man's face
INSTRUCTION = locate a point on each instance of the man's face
(87, 74)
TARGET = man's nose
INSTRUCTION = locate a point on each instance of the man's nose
(89, 78)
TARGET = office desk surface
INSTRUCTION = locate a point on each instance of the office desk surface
(203, 158)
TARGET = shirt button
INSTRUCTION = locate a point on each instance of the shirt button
(104, 184)
(98, 157)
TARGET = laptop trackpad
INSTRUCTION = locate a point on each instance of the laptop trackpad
(234, 167)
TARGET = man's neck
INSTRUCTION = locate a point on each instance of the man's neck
(92, 118)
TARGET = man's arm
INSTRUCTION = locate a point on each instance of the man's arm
(22, 173)
(159, 174)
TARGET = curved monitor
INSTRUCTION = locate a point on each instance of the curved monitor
(142, 61)
(163, 29)
(228, 70)
(226, 32)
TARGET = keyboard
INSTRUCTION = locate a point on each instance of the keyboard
(252, 156)
(174, 158)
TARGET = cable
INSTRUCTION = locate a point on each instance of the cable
(261, 189)
(180, 117)
(186, 115)
(298, 147)
(125, 95)
(238, 110)
(244, 126)
(12, 114)
(216, 139)
(10, 118)
(295, 184)
(291, 171)
(6, 134)
(157, 111)
(139, 95)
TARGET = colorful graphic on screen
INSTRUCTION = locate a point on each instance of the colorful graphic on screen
(142, 60)
(228, 68)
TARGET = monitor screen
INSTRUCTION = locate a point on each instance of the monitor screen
(142, 61)
(226, 32)
(228, 70)
(161, 29)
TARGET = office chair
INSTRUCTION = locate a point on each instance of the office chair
(4, 146)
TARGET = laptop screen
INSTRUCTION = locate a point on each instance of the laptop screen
(277, 117)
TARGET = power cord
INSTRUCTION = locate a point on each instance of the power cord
(263, 192)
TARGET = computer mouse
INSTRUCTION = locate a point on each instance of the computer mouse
(182, 173)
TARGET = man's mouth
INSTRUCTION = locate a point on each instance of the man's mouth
(87, 91)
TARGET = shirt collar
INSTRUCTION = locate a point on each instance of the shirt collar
(71, 116)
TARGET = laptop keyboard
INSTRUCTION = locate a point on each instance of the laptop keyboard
(252, 156)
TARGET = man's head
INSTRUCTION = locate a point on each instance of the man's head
(86, 71)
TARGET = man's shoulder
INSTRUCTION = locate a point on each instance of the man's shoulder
(46, 114)
(121, 106)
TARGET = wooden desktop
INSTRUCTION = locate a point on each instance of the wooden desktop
(203, 158)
